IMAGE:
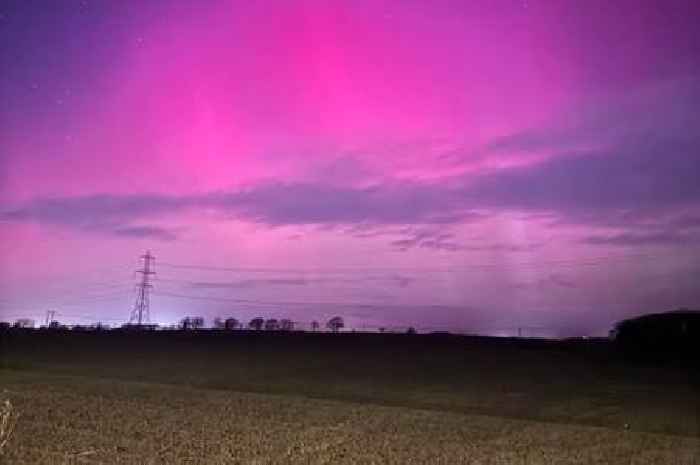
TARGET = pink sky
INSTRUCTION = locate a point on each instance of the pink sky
(511, 163)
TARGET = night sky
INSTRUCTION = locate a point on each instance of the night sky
(468, 166)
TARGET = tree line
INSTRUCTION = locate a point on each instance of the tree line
(334, 324)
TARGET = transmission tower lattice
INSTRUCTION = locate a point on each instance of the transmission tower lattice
(50, 315)
(141, 311)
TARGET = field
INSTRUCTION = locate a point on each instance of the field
(294, 398)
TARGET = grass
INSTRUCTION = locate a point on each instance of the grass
(183, 398)
(8, 420)
(81, 420)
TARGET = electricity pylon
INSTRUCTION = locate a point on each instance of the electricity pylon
(141, 311)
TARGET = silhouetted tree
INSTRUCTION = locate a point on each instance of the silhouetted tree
(674, 333)
(231, 323)
(335, 324)
(218, 323)
(286, 325)
(315, 325)
(256, 323)
(272, 325)
(192, 322)
(411, 330)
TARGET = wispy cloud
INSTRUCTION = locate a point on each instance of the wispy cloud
(249, 283)
(153, 232)
(395, 279)
(550, 281)
(427, 239)
(637, 239)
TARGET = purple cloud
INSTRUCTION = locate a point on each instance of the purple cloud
(153, 232)
(250, 283)
(637, 239)
(640, 173)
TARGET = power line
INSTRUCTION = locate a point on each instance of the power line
(90, 317)
(228, 299)
(294, 303)
(76, 296)
(595, 261)
(50, 314)
(73, 302)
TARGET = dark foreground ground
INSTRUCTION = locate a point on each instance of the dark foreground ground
(242, 397)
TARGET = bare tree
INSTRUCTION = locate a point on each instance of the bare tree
(231, 323)
(272, 325)
(286, 325)
(256, 323)
(315, 325)
(335, 324)
(192, 322)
